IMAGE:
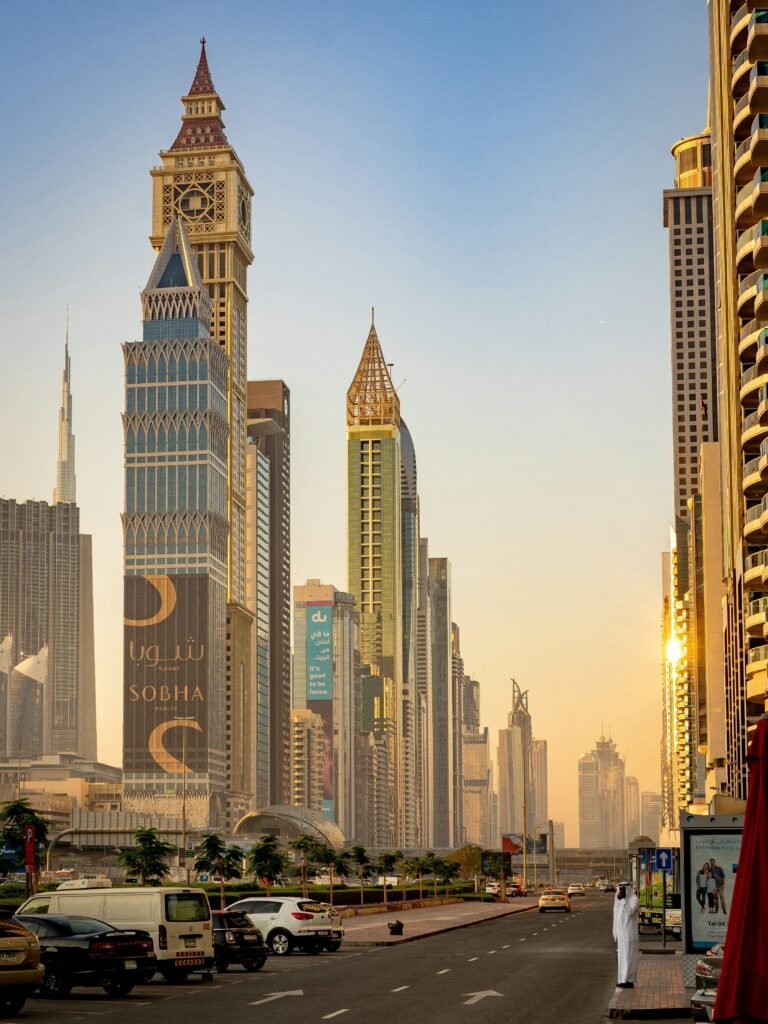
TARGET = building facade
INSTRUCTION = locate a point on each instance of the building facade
(540, 785)
(650, 815)
(424, 746)
(631, 808)
(409, 719)
(515, 784)
(269, 430)
(476, 789)
(456, 728)
(258, 597)
(443, 769)
(601, 797)
(326, 681)
(308, 754)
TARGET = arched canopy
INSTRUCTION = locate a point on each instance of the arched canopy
(288, 822)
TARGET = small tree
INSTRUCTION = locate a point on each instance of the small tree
(361, 860)
(148, 858)
(267, 861)
(386, 865)
(446, 871)
(408, 866)
(497, 865)
(305, 846)
(334, 863)
(470, 860)
(217, 858)
(429, 867)
(14, 816)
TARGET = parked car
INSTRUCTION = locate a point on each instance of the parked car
(516, 889)
(20, 969)
(84, 952)
(177, 919)
(493, 888)
(576, 889)
(289, 922)
(236, 941)
(554, 899)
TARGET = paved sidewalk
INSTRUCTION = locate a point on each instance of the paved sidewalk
(658, 993)
(373, 930)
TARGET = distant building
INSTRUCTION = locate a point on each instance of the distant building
(558, 831)
(424, 725)
(476, 788)
(307, 758)
(601, 797)
(377, 749)
(516, 805)
(410, 799)
(650, 815)
(442, 704)
(632, 808)
(540, 785)
(470, 705)
(457, 718)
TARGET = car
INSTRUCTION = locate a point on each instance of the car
(21, 972)
(236, 941)
(554, 899)
(576, 889)
(81, 951)
(493, 888)
(290, 922)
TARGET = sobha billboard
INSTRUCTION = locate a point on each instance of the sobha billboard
(320, 688)
(166, 674)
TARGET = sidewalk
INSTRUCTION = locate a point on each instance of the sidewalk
(658, 994)
(418, 924)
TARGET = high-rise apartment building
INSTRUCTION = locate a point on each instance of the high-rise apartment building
(470, 705)
(308, 758)
(738, 36)
(258, 594)
(47, 674)
(376, 815)
(540, 785)
(374, 536)
(476, 788)
(326, 681)
(443, 774)
(601, 797)
(178, 710)
(269, 430)
(631, 808)
(456, 726)
(423, 755)
(201, 182)
(516, 801)
(650, 815)
(409, 525)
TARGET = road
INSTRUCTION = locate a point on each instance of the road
(528, 968)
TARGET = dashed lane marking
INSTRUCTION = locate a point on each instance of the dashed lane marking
(335, 1013)
(401, 989)
(445, 970)
(472, 959)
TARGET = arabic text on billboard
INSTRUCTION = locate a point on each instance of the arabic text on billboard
(319, 652)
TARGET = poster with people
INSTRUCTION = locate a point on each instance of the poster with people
(712, 863)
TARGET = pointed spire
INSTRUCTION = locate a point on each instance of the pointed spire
(175, 289)
(201, 124)
(65, 489)
(371, 398)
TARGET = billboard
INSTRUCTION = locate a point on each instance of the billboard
(165, 706)
(319, 654)
(710, 858)
(512, 842)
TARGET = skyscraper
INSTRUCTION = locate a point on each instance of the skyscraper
(515, 775)
(326, 681)
(201, 182)
(307, 759)
(424, 763)
(269, 429)
(258, 593)
(456, 727)
(476, 788)
(470, 705)
(443, 774)
(178, 705)
(650, 815)
(409, 520)
(374, 536)
(540, 785)
(65, 489)
(631, 808)
(601, 797)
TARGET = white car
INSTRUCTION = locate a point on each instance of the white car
(289, 922)
(576, 889)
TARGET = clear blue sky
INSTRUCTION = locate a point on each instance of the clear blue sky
(489, 176)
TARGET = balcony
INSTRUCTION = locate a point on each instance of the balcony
(742, 162)
(742, 115)
(752, 483)
(757, 659)
(755, 620)
(752, 433)
(758, 86)
(750, 338)
(747, 293)
(740, 74)
(752, 530)
(758, 140)
(757, 35)
(740, 28)
(752, 384)
(752, 200)
(753, 570)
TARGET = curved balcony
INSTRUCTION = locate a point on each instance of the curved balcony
(740, 28)
(747, 294)
(762, 404)
(753, 570)
(752, 528)
(757, 35)
(742, 162)
(740, 74)
(742, 117)
(757, 660)
(761, 359)
(752, 433)
(749, 339)
(752, 200)
(758, 140)
(752, 483)
(755, 619)
(754, 387)
(758, 86)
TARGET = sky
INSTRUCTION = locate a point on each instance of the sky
(489, 176)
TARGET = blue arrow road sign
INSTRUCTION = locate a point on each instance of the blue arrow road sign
(663, 859)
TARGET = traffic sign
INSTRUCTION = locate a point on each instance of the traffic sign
(664, 860)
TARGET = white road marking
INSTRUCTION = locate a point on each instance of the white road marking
(491, 952)
(445, 970)
(477, 996)
(472, 959)
(505, 947)
(275, 995)
(401, 989)
(522, 940)
(335, 1013)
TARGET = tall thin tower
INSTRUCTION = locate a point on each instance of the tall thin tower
(64, 491)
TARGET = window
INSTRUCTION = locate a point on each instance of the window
(187, 906)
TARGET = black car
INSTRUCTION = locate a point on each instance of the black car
(87, 952)
(236, 941)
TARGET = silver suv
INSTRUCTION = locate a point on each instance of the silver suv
(289, 922)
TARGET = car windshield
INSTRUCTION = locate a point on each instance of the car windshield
(10, 929)
(312, 908)
(187, 906)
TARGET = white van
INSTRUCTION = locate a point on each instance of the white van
(179, 920)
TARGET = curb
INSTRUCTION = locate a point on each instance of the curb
(646, 1013)
(438, 931)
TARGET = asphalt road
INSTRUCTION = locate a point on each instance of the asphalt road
(528, 968)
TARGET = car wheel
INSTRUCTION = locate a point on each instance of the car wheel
(312, 948)
(254, 965)
(221, 964)
(118, 987)
(333, 947)
(12, 1004)
(175, 976)
(281, 943)
(56, 984)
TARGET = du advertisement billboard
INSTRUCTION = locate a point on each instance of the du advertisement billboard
(319, 653)
(165, 708)
(710, 860)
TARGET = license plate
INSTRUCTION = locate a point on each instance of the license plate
(323, 933)
(7, 958)
(189, 943)
(251, 938)
(130, 965)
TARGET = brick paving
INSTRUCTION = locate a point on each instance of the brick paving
(373, 930)
(658, 993)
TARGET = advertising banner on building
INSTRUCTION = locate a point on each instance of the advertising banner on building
(710, 860)
(512, 842)
(165, 708)
(320, 688)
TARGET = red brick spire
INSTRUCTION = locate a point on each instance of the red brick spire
(203, 83)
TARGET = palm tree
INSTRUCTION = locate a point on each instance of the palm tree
(217, 858)
(360, 858)
(429, 862)
(325, 857)
(386, 864)
(420, 866)
(339, 865)
(148, 858)
(306, 846)
(267, 861)
(14, 816)
(408, 866)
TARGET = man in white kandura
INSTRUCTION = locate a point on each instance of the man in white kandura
(625, 908)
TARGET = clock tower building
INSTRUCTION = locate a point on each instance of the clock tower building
(202, 182)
